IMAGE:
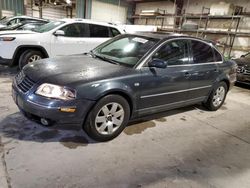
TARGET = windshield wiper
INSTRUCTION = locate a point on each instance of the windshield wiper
(107, 59)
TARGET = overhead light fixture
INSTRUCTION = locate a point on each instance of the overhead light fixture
(68, 1)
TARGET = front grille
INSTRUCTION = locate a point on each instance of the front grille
(243, 70)
(23, 82)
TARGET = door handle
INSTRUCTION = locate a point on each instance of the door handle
(216, 70)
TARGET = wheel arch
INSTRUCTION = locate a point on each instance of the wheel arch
(122, 93)
(23, 48)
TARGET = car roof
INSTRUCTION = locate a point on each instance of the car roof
(69, 20)
(168, 35)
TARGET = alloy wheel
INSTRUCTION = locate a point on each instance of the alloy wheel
(34, 58)
(219, 96)
(109, 118)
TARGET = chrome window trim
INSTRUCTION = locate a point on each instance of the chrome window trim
(172, 92)
(169, 104)
(182, 38)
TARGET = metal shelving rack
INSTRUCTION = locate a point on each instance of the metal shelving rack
(204, 20)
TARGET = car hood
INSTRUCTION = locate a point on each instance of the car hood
(16, 32)
(70, 70)
(243, 61)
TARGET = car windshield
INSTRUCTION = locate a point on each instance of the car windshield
(125, 50)
(47, 27)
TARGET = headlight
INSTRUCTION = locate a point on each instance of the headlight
(56, 92)
(7, 38)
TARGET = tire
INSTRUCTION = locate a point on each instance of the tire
(217, 97)
(29, 56)
(102, 124)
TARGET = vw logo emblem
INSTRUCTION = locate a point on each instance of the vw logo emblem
(20, 78)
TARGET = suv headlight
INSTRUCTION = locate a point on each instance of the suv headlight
(6, 39)
(56, 92)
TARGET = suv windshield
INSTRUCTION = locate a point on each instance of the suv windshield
(47, 27)
(125, 50)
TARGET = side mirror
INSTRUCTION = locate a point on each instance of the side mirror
(59, 33)
(158, 63)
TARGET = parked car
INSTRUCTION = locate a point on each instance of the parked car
(23, 26)
(122, 79)
(8, 22)
(64, 37)
(243, 71)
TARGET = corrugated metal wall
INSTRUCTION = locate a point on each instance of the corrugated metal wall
(16, 6)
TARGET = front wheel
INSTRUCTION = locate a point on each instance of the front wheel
(217, 97)
(29, 56)
(108, 118)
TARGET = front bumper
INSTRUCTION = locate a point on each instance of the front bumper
(4, 61)
(41, 107)
(243, 78)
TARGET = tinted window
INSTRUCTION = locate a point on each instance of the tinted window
(98, 31)
(114, 32)
(217, 56)
(202, 53)
(76, 30)
(174, 52)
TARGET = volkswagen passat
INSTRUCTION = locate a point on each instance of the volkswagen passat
(122, 79)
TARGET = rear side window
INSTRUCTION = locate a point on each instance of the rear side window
(217, 56)
(202, 53)
(98, 31)
(114, 32)
(174, 52)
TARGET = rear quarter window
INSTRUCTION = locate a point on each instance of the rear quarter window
(202, 52)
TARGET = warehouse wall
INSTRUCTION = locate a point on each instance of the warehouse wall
(195, 7)
(168, 6)
(104, 11)
(11, 7)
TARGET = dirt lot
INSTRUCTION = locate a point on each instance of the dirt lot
(188, 147)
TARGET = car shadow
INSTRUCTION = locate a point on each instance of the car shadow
(18, 127)
(6, 71)
(242, 85)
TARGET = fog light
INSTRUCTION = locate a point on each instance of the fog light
(70, 110)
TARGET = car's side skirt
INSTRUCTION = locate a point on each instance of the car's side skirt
(170, 106)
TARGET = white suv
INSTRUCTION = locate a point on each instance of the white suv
(63, 37)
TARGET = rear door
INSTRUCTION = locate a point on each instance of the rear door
(166, 88)
(204, 62)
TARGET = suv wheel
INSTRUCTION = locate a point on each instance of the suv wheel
(217, 97)
(108, 118)
(29, 56)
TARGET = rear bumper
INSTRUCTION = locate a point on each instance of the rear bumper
(4, 61)
(41, 107)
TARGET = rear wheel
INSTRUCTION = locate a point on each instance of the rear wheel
(29, 56)
(217, 97)
(108, 118)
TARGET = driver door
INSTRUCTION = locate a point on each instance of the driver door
(165, 88)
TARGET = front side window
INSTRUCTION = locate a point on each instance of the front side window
(76, 30)
(98, 31)
(174, 52)
(202, 52)
(125, 50)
